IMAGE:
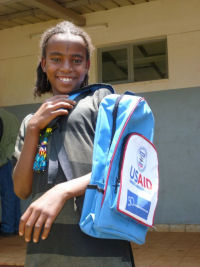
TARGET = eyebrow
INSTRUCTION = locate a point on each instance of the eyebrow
(60, 54)
(55, 54)
(77, 55)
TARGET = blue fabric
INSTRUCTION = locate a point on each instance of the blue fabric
(100, 217)
(10, 203)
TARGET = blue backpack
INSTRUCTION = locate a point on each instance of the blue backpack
(121, 198)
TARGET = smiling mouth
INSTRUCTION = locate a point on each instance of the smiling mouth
(65, 79)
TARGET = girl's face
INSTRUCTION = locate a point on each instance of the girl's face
(65, 63)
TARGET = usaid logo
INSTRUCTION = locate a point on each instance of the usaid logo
(142, 158)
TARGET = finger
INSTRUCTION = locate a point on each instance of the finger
(63, 101)
(47, 228)
(30, 224)
(61, 106)
(60, 109)
(50, 108)
(58, 98)
(23, 221)
(59, 112)
(38, 227)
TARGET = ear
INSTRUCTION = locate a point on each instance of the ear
(43, 64)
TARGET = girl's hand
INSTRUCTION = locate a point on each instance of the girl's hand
(42, 213)
(53, 107)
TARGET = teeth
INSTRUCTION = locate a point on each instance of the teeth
(63, 79)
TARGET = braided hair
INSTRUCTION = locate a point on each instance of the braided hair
(42, 85)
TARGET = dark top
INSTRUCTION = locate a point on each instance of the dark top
(66, 244)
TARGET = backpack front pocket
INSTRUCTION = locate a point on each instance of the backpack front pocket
(138, 179)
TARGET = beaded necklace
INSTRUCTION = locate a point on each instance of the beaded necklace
(40, 162)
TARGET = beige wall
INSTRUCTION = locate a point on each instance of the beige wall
(19, 54)
(178, 20)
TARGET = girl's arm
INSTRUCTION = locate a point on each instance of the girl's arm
(42, 212)
(23, 172)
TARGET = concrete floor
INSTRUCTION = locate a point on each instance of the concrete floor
(12, 250)
(167, 249)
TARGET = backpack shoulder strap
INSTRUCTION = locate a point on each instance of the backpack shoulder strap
(92, 88)
(115, 110)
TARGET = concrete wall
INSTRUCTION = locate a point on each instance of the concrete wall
(177, 131)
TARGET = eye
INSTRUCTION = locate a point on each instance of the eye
(77, 60)
(55, 59)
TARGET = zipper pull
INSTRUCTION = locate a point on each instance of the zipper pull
(116, 184)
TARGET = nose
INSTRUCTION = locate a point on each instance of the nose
(66, 66)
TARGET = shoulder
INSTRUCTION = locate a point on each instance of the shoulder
(99, 91)
(27, 118)
(21, 135)
(24, 124)
(6, 115)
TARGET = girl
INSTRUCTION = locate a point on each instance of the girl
(65, 131)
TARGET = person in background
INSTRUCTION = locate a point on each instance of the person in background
(10, 203)
(1, 129)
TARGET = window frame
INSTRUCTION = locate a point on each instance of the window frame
(113, 48)
(130, 59)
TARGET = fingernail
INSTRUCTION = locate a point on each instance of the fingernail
(20, 233)
(43, 237)
(35, 240)
(27, 240)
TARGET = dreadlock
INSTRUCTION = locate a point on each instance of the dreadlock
(42, 85)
